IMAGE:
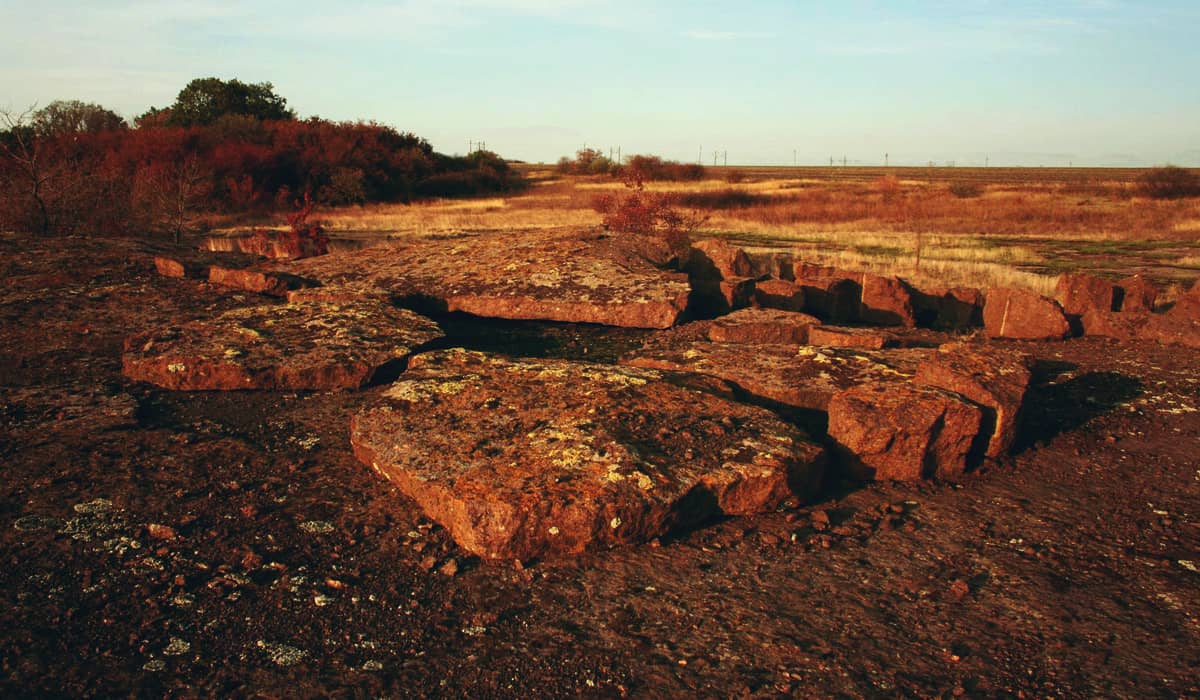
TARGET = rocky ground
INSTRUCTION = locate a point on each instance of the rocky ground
(229, 543)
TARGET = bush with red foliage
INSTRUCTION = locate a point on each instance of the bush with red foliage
(637, 211)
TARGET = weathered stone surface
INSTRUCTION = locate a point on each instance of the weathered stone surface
(1173, 329)
(174, 267)
(774, 265)
(554, 457)
(1137, 294)
(847, 337)
(306, 345)
(799, 377)
(284, 245)
(903, 432)
(275, 284)
(714, 258)
(991, 377)
(779, 294)
(763, 326)
(954, 308)
(1123, 325)
(1188, 305)
(886, 301)
(1079, 294)
(830, 294)
(1023, 315)
(581, 277)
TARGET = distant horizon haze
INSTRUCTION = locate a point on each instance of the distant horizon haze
(1083, 82)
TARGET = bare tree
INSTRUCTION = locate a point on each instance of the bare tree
(27, 164)
(171, 193)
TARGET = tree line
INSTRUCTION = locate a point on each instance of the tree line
(223, 146)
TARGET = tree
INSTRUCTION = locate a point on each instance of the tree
(75, 117)
(27, 169)
(170, 193)
(205, 100)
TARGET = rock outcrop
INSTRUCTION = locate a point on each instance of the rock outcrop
(1079, 294)
(275, 284)
(555, 457)
(903, 432)
(579, 277)
(848, 337)
(1023, 315)
(994, 378)
(308, 345)
(769, 326)
(779, 294)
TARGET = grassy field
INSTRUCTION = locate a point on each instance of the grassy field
(941, 225)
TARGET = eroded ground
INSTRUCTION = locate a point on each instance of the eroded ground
(229, 544)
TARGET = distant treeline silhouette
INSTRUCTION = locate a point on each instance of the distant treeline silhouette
(223, 146)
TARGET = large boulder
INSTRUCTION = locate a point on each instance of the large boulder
(903, 432)
(774, 265)
(1079, 294)
(994, 378)
(779, 294)
(1187, 306)
(760, 326)
(1124, 325)
(830, 294)
(714, 258)
(275, 284)
(308, 345)
(578, 277)
(886, 301)
(954, 308)
(1023, 315)
(284, 245)
(554, 457)
(803, 377)
(1137, 294)
(179, 268)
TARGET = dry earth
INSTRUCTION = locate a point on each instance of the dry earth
(228, 543)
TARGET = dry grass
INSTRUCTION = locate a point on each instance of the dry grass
(1023, 228)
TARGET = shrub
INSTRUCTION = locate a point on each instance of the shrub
(1169, 182)
(638, 211)
(728, 198)
(888, 186)
(965, 190)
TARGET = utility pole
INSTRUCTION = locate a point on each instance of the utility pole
(700, 157)
(618, 155)
(715, 158)
(843, 160)
(470, 147)
(793, 157)
(726, 159)
(885, 160)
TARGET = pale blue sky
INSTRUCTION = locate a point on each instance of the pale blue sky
(1104, 82)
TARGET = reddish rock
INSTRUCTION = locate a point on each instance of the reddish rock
(1023, 315)
(779, 294)
(830, 294)
(1188, 305)
(801, 377)
(288, 346)
(762, 326)
(1079, 294)
(844, 337)
(336, 295)
(955, 308)
(172, 267)
(1111, 324)
(991, 377)
(553, 457)
(284, 245)
(1137, 294)
(1172, 329)
(903, 432)
(574, 276)
(714, 258)
(771, 265)
(886, 301)
(276, 284)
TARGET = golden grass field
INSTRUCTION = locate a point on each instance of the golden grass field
(1011, 226)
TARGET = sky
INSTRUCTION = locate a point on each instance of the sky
(763, 82)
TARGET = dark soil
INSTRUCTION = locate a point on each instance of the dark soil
(227, 544)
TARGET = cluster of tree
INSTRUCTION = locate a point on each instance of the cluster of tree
(590, 161)
(224, 146)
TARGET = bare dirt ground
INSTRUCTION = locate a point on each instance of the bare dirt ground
(228, 544)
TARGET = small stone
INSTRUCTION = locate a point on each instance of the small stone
(177, 647)
(450, 568)
(161, 532)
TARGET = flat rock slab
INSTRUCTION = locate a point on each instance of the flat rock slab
(903, 432)
(847, 337)
(270, 283)
(520, 460)
(577, 277)
(758, 326)
(994, 378)
(306, 345)
(801, 377)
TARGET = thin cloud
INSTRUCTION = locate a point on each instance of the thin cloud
(706, 35)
